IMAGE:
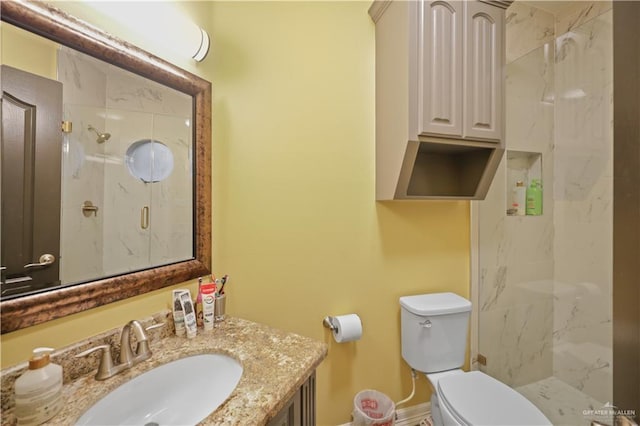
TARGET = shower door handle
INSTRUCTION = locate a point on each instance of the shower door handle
(45, 260)
(144, 217)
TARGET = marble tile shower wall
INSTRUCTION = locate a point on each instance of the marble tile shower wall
(84, 98)
(528, 28)
(545, 282)
(130, 108)
(583, 216)
(516, 252)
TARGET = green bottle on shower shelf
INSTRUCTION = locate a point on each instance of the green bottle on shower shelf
(534, 198)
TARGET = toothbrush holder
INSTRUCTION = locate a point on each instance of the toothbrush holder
(219, 310)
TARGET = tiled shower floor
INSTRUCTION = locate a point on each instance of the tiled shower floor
(562, 403)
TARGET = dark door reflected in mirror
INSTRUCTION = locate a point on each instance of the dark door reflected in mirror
(105, 149)
(31, 149)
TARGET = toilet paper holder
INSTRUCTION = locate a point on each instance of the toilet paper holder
(345, 328)
(328, 323)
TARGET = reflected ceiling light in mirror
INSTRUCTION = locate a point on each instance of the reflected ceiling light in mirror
(163, 24)
(110, 115)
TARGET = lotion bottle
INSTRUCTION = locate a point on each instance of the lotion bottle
(189, 314)
(208, 304)
(178, 313)
(38, 392)
(519, 198)
(534, 198)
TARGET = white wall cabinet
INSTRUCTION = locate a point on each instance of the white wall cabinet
(441, 78)
(439, 97)
(483, 71)
(461, 45)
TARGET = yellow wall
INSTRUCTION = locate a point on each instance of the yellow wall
(39, 58)
(295, 222)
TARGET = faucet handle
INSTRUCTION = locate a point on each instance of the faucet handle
(143, 351)
(105, 368)
(154, 326)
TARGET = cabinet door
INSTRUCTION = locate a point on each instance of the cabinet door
(300, 410)
(286, 416)
(441, 76)
(483, 71)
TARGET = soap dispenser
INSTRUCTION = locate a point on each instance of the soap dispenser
(38, 392)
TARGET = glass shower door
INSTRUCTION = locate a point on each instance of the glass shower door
(545, 281)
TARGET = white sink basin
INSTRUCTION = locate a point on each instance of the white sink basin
(182, 392)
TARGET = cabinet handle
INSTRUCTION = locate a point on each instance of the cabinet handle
(144, 217)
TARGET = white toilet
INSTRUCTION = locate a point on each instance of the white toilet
(434, 337)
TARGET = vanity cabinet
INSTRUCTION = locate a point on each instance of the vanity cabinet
(439, 97)
(300, 410)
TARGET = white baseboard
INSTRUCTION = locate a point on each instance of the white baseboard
(409, 416)
(413, 415)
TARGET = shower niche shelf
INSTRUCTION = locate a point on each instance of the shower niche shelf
(521, 166)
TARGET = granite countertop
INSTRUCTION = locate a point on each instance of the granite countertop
(275, 364)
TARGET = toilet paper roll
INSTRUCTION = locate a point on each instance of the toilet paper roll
(347, 328)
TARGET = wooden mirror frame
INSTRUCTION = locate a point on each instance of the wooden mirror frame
(56, 25)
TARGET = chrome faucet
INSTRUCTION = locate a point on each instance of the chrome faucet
(128, 357)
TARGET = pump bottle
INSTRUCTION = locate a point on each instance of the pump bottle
(534, 198)
(38, 392)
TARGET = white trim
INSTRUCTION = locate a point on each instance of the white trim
(409, 416)
(502, 4)
(377, 9)
(413, 415)
(474, 259)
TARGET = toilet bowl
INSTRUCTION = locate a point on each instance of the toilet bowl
(475, 398)
(434, 335)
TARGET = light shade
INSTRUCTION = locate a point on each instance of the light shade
(166, 28)
(203, 49)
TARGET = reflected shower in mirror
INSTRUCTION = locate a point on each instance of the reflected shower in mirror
(143, 195)
(123, 206)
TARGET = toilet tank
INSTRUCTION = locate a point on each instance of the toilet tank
(434, 331)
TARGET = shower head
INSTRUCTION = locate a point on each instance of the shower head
(102, 137)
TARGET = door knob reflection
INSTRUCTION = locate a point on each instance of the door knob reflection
(45, 260)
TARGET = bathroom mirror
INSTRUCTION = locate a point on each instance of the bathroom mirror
(78, 36)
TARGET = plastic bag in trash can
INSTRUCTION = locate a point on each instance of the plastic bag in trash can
(371, 407)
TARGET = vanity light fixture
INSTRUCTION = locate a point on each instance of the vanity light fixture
(203, 48)
(171, 29)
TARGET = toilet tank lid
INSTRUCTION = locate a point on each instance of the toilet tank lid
(435, 304)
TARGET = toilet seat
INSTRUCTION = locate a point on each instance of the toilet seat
(475, 398)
